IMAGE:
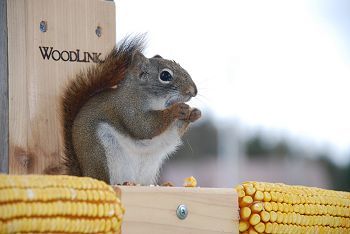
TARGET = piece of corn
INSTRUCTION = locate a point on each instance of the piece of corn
(280, 208)
(190, 182)
(59, 204)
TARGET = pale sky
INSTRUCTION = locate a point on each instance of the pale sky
(282, 65)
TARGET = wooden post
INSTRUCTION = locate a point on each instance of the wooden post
(153, 210)
(4, 132)
(48, 42)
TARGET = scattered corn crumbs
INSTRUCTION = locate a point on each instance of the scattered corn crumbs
(128, 183)
(167, 184)
(190, 182)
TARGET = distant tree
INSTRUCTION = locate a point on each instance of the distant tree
(256, 147)
(339, 175)
(281, 149)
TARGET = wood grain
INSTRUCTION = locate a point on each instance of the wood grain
(35, 83)
(153, 210)
(4, 167)
(35, 86)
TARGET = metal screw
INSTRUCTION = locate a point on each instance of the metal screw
(182, 211)
(98, 31)
(43, 26)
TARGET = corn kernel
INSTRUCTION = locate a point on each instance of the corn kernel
(246, 201)
(260, 227)
(268, 228)
(273, 216)
(249, 191)
(254, 219)
(274, 206)
(257, 207)
(280, 216)
(245, 213)
(258, 196)
(280, 207)
(252, 231)
(240, 193)
(243, 226)
(267, 197)
(265, 216)
(190, 182)
(273, 196)
(267, 206)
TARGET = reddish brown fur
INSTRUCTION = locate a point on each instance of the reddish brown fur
(107, 74)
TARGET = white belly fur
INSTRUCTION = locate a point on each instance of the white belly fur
(136, 161)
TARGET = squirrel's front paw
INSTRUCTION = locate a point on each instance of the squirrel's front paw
(194, 115)
(182, 111)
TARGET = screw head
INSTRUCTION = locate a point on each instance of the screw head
(98, 31)
(182, 211)
(43, 26)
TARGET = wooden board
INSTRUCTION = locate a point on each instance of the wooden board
(37, 71)
(3, 89)
(153, 210)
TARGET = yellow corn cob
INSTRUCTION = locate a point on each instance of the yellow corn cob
(280, 208)
(60, 204)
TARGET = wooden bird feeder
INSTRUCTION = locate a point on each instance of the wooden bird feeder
(44, 43)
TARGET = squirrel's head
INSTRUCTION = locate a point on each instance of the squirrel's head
(165, 80)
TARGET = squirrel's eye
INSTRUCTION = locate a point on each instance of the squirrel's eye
(166, 75)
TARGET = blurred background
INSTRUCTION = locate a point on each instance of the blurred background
(273, 80)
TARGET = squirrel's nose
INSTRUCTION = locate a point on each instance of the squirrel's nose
(192, 91)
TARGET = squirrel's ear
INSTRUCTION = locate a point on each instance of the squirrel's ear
(140, 65)
(139, 60)
(157, 56)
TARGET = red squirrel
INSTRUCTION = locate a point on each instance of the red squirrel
(125, 115)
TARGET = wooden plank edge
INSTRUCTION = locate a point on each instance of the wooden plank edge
(4, 101)
(120, 188)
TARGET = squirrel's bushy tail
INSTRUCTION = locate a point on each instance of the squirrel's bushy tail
(104, 75)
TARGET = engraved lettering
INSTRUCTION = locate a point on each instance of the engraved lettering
(44, 53)
(65, 55)
(79, 60)
(96, 58)
(89, 57)
(77, 55)
(56, 58)
(71, 55)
